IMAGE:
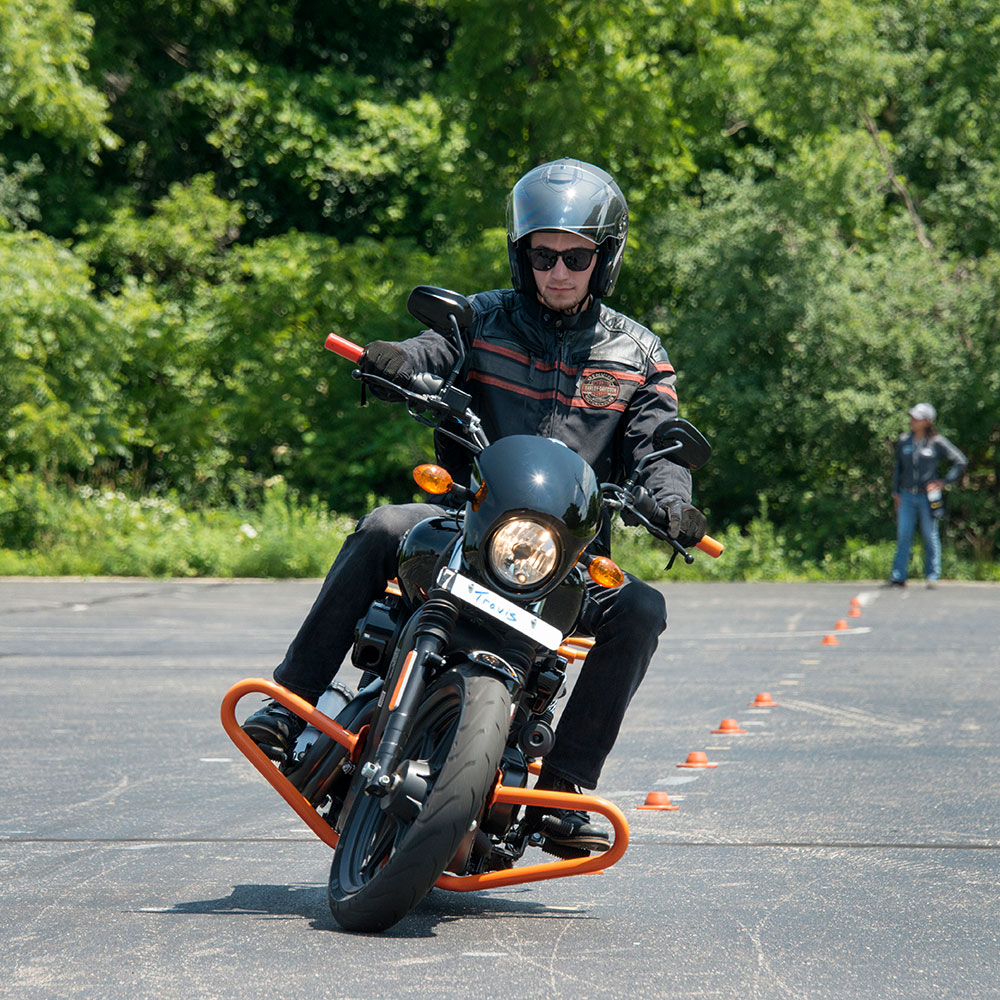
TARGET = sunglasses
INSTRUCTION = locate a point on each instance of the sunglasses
(577, 259)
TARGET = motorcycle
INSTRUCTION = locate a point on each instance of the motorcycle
(418, 778)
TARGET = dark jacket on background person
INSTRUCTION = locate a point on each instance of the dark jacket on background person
(596, 380)
(916, 464)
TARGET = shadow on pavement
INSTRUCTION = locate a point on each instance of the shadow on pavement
(286, 902)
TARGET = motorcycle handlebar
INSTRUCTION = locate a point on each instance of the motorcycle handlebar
(710, 546)
(344, 348)
(426, 383)
(644, 503)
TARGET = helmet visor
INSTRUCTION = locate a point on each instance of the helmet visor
(570, 196)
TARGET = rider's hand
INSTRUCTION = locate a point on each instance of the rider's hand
(673, 513)
(387, 360)
(692, 527)
(682, 521)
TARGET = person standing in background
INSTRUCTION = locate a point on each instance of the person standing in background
(917, 491)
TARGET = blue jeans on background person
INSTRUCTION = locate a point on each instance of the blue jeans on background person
(914, 506)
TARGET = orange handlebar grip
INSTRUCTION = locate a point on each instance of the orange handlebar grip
(343, 347)
(711, 547)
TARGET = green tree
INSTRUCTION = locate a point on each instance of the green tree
(60, 354)
(43, 64)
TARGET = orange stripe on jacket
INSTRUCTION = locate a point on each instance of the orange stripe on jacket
(499, 383)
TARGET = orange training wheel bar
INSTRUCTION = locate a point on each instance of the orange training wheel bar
(501, 793)
(262, 762)
(548, 869)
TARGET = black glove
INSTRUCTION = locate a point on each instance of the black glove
(387, 360)
(692, 527)
(680, 520)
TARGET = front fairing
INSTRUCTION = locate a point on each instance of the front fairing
(522, 476)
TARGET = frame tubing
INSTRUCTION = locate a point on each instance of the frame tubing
(550, 869)
(501, 793)
(265, 765)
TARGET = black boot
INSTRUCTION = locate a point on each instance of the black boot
(568, 833)
(274, 729)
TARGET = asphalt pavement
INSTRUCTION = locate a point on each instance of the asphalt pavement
(846, 845)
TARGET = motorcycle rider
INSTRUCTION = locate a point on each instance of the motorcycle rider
(546, 357)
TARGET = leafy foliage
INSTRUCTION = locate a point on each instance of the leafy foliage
(193, 193)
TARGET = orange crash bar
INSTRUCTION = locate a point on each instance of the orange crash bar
(576, 647)
(549, 869)
(260, 760)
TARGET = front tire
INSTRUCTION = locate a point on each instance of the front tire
(384, 866)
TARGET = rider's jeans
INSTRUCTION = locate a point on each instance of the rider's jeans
(914, 507)
(631, 619)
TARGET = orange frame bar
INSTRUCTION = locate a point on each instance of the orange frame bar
(501, 793)
(547, 869)
(263, 763)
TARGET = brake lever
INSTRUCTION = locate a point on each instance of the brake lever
(621, 501)
(679, 550)
(417, 399)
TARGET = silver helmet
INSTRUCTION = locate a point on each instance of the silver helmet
(573, 197)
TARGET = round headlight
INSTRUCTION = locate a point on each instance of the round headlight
(523, 553)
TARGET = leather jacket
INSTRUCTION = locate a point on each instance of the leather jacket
(596, 380)
(917, 463)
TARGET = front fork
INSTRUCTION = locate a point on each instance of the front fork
(405, 689)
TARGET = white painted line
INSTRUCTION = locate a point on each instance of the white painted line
(774, 635)
(851, 716)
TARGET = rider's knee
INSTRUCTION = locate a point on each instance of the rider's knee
(644, 607)
(388, 522)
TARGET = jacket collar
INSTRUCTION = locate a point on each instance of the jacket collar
(558, 322)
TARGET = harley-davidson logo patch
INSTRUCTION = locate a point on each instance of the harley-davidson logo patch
(600, 389)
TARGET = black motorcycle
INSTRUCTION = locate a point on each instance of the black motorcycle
(423, 770)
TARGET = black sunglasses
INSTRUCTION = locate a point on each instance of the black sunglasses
(576, 259)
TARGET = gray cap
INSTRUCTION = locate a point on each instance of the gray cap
(923, 411)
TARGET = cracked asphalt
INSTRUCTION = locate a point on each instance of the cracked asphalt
(847, 845)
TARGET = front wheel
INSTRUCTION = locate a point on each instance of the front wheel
(383, 865)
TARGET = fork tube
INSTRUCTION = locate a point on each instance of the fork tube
(437, 620)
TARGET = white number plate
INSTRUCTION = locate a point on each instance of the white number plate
(482, 598)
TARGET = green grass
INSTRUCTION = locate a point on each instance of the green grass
(57, 532)
(760, 552)
(93, 533)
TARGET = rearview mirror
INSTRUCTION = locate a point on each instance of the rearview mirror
(434, 307)
(683, 441)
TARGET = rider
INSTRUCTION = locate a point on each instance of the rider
(549, 358)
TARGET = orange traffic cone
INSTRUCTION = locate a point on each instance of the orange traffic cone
(841, 625)
(658, 800)
(697, 758)
(830, 640)
(854, 613)
(729, 726)
(763, 700)
(855, 602)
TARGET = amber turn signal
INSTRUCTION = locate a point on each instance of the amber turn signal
(433, 479)
(605, 573)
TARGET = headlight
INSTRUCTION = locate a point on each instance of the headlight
(523, 553)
